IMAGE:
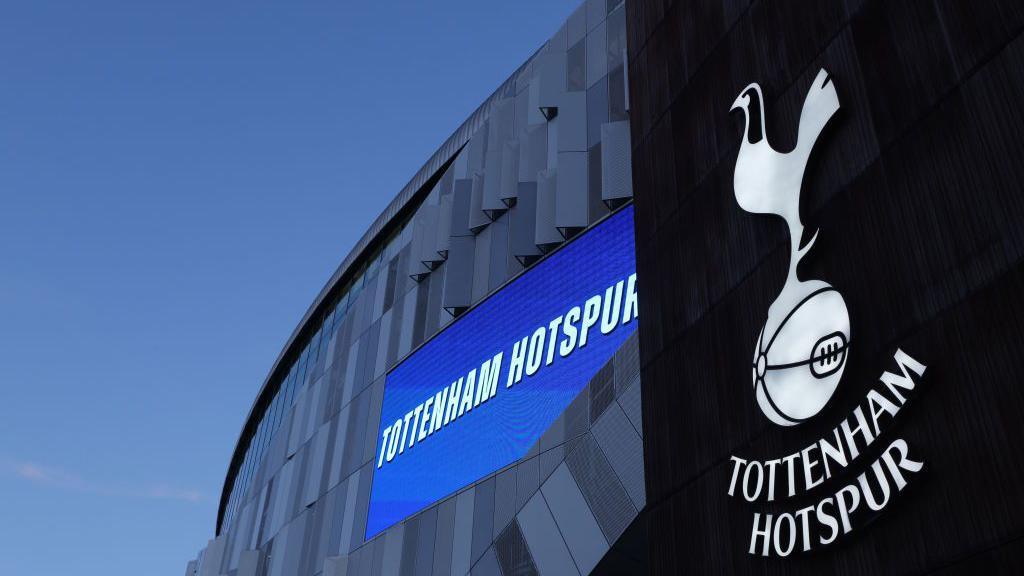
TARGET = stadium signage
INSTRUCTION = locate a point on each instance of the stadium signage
(557, 339)
(798, 363)
(479, 395)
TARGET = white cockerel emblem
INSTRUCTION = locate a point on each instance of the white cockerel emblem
(801, 350)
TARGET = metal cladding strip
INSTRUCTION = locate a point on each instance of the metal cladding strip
(406, 199)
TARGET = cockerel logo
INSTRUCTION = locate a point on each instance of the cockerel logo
(801, 351)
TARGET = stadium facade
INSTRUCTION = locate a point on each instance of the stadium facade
(719, 288)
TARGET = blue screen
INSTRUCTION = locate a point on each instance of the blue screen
(477, 396)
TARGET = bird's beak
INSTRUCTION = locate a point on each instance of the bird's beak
(739, 102)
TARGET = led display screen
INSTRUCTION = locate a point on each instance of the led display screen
(477, 396)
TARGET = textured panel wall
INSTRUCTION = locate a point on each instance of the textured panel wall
(527, 177)
(916, 191)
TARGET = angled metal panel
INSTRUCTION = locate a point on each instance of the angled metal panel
(478, 218)
(509, 173)
(571, 205)
(616, 162)
(545, 543)
(597, 53)
(458, 279)
(624, 449)
(546, 235)
(533, 152)
(572, 122)
(523, 224)
(575, 521)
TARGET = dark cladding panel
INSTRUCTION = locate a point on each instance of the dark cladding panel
(914, 190)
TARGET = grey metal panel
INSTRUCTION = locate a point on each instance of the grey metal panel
(317, 398)
(572, 122)
(596, 12)
(597, 54)
(367, 357)
(424, 563)
(444, 224)
(501, 124)
(478, 219)
(577, 415)
(276, 555)
(482, 263)
(445, 534)
(576, 27)
(410, 544)
(533, 152)
(298, 422)
(349, 532)
(497, 259)
(352, 374)
(597, 207)
(463, 533)
(575, 521)
(458, 279)
(549, 459)
(545, 233)
(435, 301)
(550, 79)
(527, 480)
(616, 162)
(297, 532)
(318, 455)
(630, 400)
(362, 503)
(214, 556)
(504, 500)
(248, 563)
(340, 443)
(571, 205)
(383, 341)
(334, 566)
(487, 565)
(513, 555)
(461, 199)
(380, 293)
(259, 517)
(602, 390)
(372, 419)
(483, 518)
(393, 540)
(523, 223)
(558, 40)
(279, 509)
(627, 363)
(321, 529)
(405, 328)
(601, 488)
(424, 239)
(597, 114)
(624, 449)
(546, 545)
(509, 188)
(476, 148)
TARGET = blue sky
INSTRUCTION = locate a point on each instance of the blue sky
(177, 181)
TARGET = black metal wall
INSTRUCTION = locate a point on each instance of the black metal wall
(917, 191)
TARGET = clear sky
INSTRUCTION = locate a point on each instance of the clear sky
(177, 181)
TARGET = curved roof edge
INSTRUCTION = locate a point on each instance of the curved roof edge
(406, 199)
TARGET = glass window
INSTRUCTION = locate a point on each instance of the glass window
(290, 387)
(300, 370)
(275, 410)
